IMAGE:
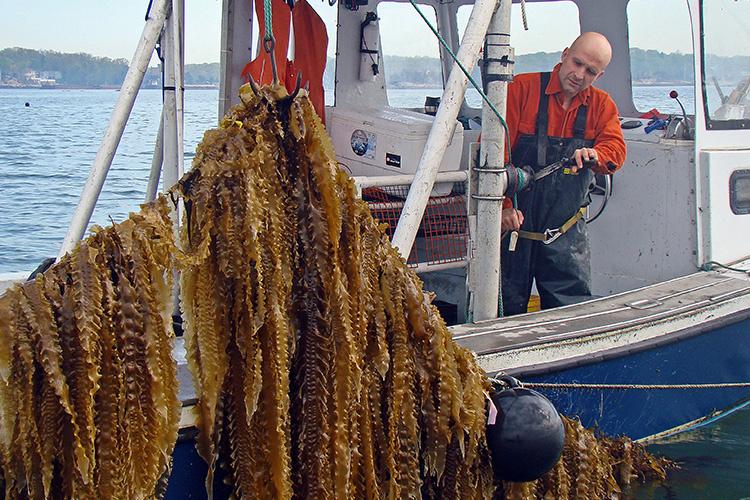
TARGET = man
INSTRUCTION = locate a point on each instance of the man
(551, 116)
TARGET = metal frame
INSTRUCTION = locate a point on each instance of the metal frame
(113, 134)
(236, 50)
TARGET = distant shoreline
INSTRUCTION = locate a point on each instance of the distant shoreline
(400, 85)
(98, 87)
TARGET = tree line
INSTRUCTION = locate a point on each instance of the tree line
(647, 67)
(85, 70)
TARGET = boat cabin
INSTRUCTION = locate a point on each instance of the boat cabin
(681, 199)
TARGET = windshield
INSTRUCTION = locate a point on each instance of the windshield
(725, 25)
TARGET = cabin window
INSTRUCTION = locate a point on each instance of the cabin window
(411, 55)
(537, 49)
(661, 55)
(726, 63)
(739, 192)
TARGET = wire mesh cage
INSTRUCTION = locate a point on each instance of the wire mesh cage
(443, 234)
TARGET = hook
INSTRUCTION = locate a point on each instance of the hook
(296, 85)
(253, 86)
(269, 45)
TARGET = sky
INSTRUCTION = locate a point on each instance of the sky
(112, 28)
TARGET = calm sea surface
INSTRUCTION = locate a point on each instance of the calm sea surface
(46, 151)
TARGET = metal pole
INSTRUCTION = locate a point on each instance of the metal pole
(492, 179)
(113, 134)
(442, 128)
(406, 179)
(236, 50)
(156, 161)
(174, 121)
(178, 20)
(170, 168)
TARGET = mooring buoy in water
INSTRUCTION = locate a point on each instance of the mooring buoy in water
(525, 433)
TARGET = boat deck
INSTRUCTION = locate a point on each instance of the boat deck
(625, 310)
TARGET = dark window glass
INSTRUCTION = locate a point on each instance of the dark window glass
(739, 192)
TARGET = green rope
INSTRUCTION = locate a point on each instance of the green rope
(709, 266)
(269, 24)
(473, 83)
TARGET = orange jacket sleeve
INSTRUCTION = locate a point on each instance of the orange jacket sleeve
(608, 140)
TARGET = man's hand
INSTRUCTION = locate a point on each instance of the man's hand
(581, 155)
(511, 220)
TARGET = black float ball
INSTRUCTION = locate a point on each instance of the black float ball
(527, 437)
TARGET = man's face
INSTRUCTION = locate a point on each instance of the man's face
(579, 69)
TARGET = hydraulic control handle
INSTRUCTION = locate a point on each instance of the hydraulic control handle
(522, 178)
(569, 162)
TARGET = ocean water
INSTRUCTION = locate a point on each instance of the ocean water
(46, 151)
(714, 462)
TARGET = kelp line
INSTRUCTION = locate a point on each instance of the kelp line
(88, 385)
(321, 367)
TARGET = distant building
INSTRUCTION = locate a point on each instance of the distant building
(39, 80)
(50, 75)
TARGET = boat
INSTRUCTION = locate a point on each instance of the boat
(663, 346)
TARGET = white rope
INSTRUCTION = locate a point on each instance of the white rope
(545, 385)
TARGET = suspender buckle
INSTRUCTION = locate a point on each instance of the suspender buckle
(551, 235)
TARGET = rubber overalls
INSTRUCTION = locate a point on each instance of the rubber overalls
(561, 267)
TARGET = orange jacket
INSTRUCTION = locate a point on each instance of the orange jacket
(602, 121)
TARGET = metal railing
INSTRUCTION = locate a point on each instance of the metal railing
(442, 236)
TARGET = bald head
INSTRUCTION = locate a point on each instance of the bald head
(595, 45)
(583, 62)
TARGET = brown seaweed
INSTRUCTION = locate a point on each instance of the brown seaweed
(336, 376)
(88, 387)
(592, 466)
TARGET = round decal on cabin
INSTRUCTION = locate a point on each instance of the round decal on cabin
(359, 142)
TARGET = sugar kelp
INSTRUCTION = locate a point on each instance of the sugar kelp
(592, 466)
(88, 386)
(322, 370)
